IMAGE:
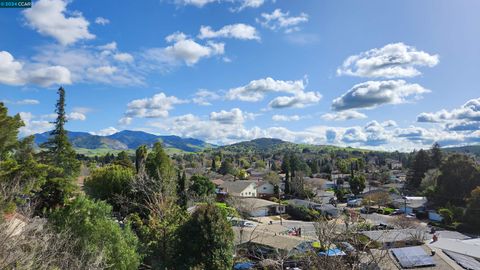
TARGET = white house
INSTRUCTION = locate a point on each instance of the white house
(265, 188)
(240, 188)
(261, 208)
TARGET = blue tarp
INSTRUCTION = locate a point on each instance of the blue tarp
(244, 266)
(332, 252)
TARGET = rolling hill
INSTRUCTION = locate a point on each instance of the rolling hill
(127, 140)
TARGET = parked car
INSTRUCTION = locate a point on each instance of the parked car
(396, 212)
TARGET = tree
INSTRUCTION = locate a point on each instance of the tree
(421, 164)
(214, 165)
(473, 209)
(9, 131)
(124, 160)
(160, 234)
(20, 175)
(59, 151)
(436, 156)
(160, 168)
(357, 184)
(91, 223)
(226, 168)
(108, 183)
(140, 159)
(206, 240)
(447, 215)
(201, 186)
(182, 189)
(260, 164)
(459, 176)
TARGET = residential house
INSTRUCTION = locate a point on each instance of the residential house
(261, 208)
(265, 189)
(411, 205)
(397, 238)
(240, 188)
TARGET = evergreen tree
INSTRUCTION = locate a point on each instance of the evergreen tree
(124, 160)
(160, 168)
(214, 165)
(226, 168)
(473, 209)
(357, 184)
(420, 165)
(181, 189)
(201, 186)
(437, 156)
(60, 152)
(8, 131)
(206, 240)
(140, 159)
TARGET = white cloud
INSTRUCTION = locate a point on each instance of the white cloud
(299, 100)
(232, 117)
(28, 102)
(14, 72)
(48, 18)
(237, 31)
(257, 89)
(102, 21)
(286, 118)
(76, 116)
(92, 64)
(123, 57)
(343, 115)
(394, 60)
(278, 20)
(183, 50)
(112, 46)
(197, 3)
(33, 126)
(468, 111)
(389, 123)
(203, 97)
(157, 106)
(242, 3)
(372, 94)
(105, 132)
(125, 121)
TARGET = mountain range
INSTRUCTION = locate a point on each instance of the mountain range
(127, 140)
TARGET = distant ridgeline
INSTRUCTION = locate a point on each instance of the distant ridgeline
(127, 140)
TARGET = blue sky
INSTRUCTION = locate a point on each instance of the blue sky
(374, 74)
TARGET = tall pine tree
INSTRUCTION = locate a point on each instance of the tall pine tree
(60, 152)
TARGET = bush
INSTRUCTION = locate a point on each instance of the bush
(302, 213)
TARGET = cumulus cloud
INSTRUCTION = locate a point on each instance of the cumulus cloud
(49, 18)
(232, 117)
(33, 125)
(286, 118)
(299, 100)
(389, 123)
(105, 132)
(372, 94)
(157, 106)
(183, 50)
(394, 60)
(76, 116)
(14, 72)
(469, 111)
(278, 20)
(204, 97)
(102, 64)
(343, 115)
(237, 31)
(102, 21)
(257, 89)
